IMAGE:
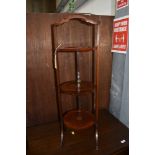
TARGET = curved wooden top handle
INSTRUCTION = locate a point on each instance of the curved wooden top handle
(78, 17)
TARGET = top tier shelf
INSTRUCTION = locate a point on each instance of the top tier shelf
(76, 49)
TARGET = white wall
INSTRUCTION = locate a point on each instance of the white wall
(66, 8)
(98, 7)
(57, 3)
(119, 93)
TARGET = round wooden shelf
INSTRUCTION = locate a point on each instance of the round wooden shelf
(75, 49)
(71, 87)
(78, 120)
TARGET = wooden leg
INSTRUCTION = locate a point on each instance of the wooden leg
(60, 116)
(61, 120)
(62, 134)
(93, 101)
(96, 122)
(96, 137)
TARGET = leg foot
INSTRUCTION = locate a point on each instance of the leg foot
(62, 137)
(96, 138)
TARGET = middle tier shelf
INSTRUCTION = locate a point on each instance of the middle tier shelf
(76, 49)
(71, 87)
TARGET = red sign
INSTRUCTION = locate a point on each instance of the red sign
(120, 35)
(121, 4)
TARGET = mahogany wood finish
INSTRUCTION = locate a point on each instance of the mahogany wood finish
(74, 49)
(45, 139)
(81, 17)
(77, 119)
(41, 95)
(70, 87)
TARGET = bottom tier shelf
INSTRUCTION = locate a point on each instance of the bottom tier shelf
(78, 120)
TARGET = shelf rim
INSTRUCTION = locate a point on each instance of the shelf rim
(87, 90)
(76, 49)
(89, 122)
